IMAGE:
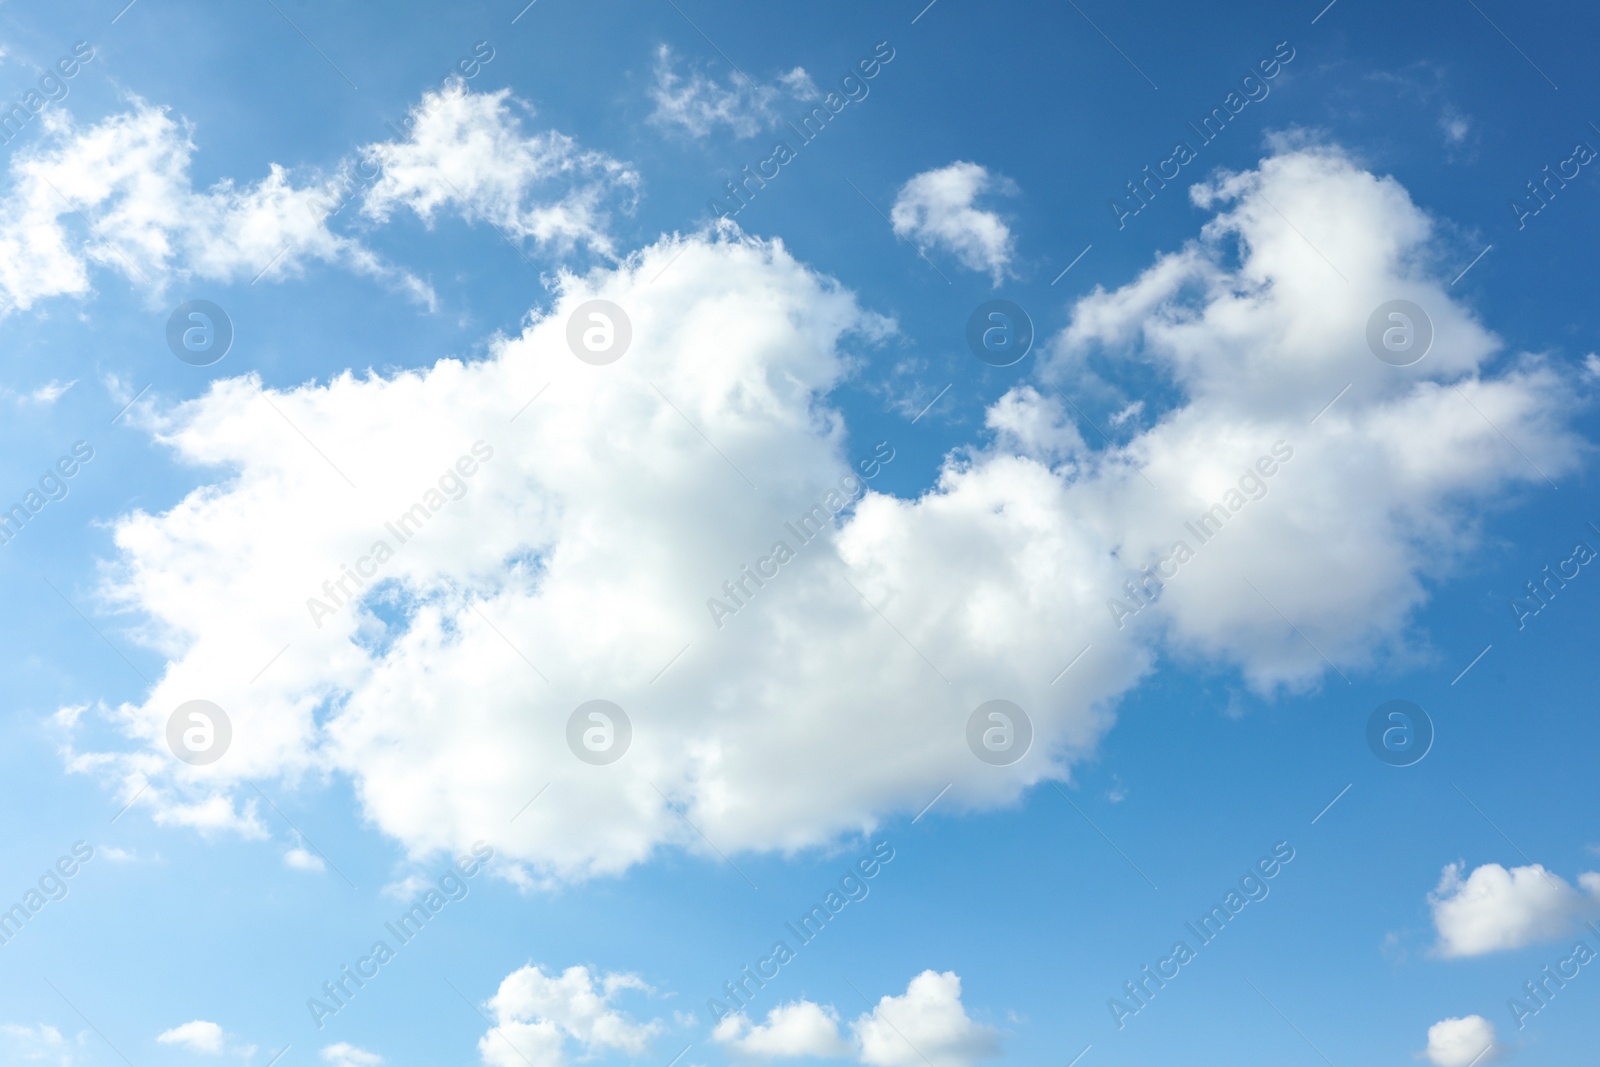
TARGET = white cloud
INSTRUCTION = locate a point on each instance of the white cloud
(119, 195)
(302, 859)
(800, 1028)
(1461, 1042)
(425, 693)
(536, 1013)
(935, 209)
(344, 1054)
(926, 1026)
(698, 104)
(129, 176)
(37, 1044)
(197, 1036)
(466, 151)
(1494, 909)
(50, 392)
(1254, 331)
(1132, 411)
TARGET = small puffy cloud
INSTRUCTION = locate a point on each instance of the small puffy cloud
(196, 1036)
(936, 209)
(535, 1014)
(301, 858)
(1494, 909)
(345, 1054)
(1034, 424)
(926, 1026)
(698, 104)
(1461, 1042)
(467, 152)
(800, 1028)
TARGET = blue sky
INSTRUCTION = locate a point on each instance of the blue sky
(403, 258)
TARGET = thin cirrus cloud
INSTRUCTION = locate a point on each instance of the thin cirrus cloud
(691, 101)
(443, 690)
(938, 209)
(1495, 909)
(119, 195)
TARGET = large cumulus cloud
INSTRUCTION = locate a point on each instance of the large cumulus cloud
(578, 561)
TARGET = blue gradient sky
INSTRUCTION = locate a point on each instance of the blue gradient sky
(1044, 906)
